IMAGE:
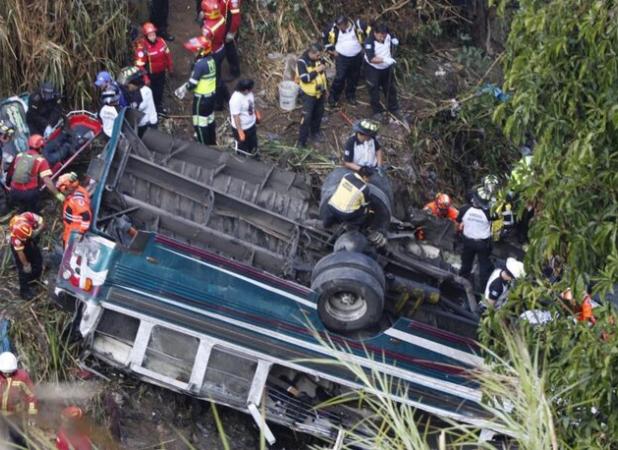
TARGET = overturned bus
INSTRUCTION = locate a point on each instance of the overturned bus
(205, 273)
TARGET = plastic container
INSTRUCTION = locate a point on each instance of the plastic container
(288, 91)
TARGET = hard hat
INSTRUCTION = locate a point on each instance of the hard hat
(366, 127)
(6, 128)
(103, 78)
(199, 44)
(36, 142)
(110, 97)
(72, 414)
(20, 229)
(443, 201)
(129, 74)
(67, 181)
(211, 9)
(8, 362)
(490, 183)
(515, 268)
(148, 27)
(48, 91)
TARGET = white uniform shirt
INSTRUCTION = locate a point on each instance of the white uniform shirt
(147, 107)
(347, 43)
(361, 153)
(382, 50)
(476, 225)
(108, 116)
(244, 106)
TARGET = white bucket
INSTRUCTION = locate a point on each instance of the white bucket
(288, 91)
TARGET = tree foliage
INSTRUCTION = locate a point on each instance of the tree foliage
(561, 67)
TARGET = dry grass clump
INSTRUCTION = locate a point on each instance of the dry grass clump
(63, 41)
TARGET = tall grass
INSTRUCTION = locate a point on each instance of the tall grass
(63, 41)
(516, 403)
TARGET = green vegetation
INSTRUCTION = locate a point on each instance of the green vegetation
(65, 42)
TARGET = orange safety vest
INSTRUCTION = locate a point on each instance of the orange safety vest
(76, 213)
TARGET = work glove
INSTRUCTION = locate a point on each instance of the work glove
(377, 238)
(229, 37)
(60, 197)
(380, 170)
(395, 42)
(389, 61)
(27, 268)
(48, 131)
(241, 135)
(181, 91)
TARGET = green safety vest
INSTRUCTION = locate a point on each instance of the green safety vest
(207, 83)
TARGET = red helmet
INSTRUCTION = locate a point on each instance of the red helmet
(72, 414)
(36, 142)
(148, 27)
(20, 228)
(211, 9)
(199, 44)
(443, 201)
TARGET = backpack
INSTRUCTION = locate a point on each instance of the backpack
(23, 168)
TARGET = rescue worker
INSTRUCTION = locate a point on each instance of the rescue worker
(244, 118)
(344, 40)
(105, 82)
(475, 222)
(18, 397)
(231, 13)
(203, 83)
(44, 110)
(442, 207)
(312, 80)
(159, 12)
(582, 310)
(109, 111)
(26, 172)
(7, 131)
(362, 152)
(499, 283)
(76, 209)
(23, 231)
(349, 203)
(214, 29)
(379, 69)
(73, 433)
(153, 57)
(140, 97)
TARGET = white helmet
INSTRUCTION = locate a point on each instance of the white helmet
(516, 268)
(8, 362)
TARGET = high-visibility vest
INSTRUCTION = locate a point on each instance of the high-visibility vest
(317, 86)
(350, 194)
(207, 84)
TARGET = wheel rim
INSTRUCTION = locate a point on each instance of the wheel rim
(346, 306)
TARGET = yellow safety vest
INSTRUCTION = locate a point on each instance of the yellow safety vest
(350, 194)
(316, 87)
(207, 84)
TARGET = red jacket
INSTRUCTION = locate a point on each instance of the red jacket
(231, 12)
(17, 394)
(72, 441)
(40, 169)
(153, 57)
(214, 29)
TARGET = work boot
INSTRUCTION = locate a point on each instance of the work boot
(26, 294)
(332, 103)
(352, 101)
(379, 117)
(318, 137)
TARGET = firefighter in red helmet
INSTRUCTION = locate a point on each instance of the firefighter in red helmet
(214, 30)
(152, 55)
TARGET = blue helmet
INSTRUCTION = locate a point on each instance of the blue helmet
(103, 78)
